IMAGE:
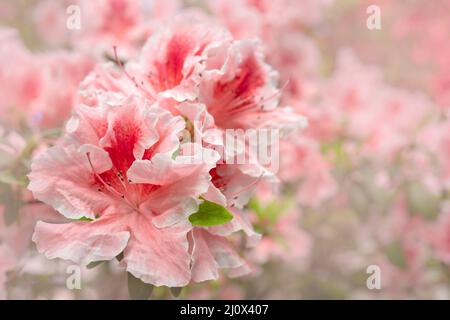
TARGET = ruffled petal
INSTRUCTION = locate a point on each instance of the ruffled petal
(82, 242)
(211, 252)
(158, 256)
(63, 178)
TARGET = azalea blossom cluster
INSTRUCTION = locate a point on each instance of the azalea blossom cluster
(115, 154)
(123, 165)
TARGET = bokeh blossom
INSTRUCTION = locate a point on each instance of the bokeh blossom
(114, 156)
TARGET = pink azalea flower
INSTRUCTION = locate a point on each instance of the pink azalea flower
(50, 20)
(211, 252)
(106, 81)
(11, 145)
(302, 162)
(234, 86)
(286, 241)
(20, 76)
(255, 17)
(61, 74)
(103, 24)
(240, 89)
(38, 88)
(169, 63)
(232, 183)
(237, 90)
(106, 24)
(15, 239)
(245, 23)
(407, 232)
(115, 166)
(280, 26)
(195, 60)
(297, 59)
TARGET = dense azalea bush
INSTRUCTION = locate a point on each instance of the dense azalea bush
(113, 153)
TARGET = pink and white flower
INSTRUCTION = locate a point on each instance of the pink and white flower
(115, 166)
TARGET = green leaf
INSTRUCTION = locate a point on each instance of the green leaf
(254, 205)
(421, 201)
(85, 219)
(7, 177)
(94, 264)
(210, 214)
(137, 289)
(272, 211)
(337, 151)
(396, 255)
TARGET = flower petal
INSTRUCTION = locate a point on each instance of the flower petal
(158, 256)
(63, 178)
(81, 242)
(211, 252)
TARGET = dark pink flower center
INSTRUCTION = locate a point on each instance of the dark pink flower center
(114, 182)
